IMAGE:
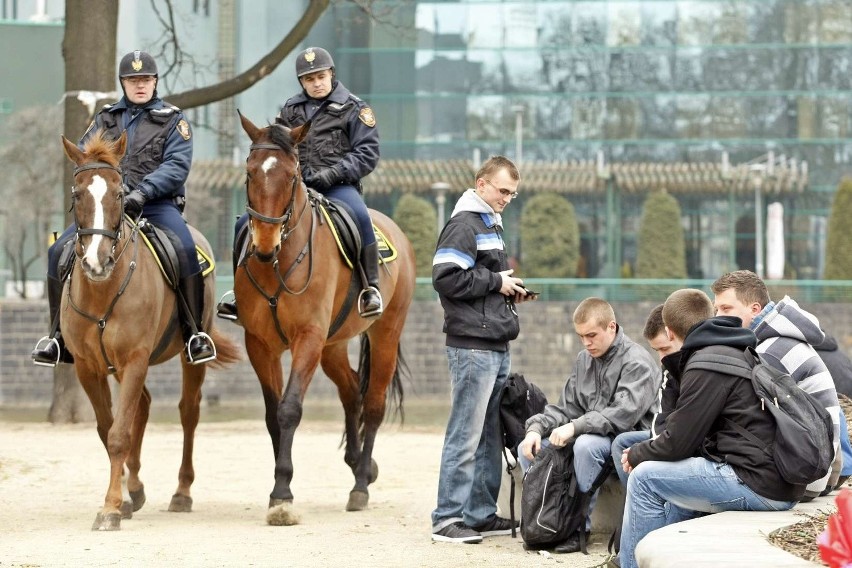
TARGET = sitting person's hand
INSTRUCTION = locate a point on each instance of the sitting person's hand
(530, 446)
(562, 435)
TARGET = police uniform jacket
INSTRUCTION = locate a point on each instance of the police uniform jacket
(159, 146)
(343, 133)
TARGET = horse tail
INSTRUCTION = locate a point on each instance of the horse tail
(396, 393)
(227, 349)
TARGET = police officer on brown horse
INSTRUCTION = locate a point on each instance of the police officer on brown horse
(154, 169)
(341, 148)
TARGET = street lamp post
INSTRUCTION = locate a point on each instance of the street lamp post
(519, 132)
(440, 189)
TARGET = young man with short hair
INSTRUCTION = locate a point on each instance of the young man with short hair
(610, 390)
(785, 337)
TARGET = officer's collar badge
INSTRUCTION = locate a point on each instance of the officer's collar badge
(137, 61)
(367, 117)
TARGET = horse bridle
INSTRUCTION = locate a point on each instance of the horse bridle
(114, 235)
(284, 219)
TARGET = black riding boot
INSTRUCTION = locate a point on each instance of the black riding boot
(199, 345)
(370, 300)
(228, 309)
(54, 350)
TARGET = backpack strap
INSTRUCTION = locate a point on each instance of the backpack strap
(727, 364)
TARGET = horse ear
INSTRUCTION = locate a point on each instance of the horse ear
(72, 151)
(121, 145)
(299, 133)
(249, 127)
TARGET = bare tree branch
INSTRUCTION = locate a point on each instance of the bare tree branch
(206, 95)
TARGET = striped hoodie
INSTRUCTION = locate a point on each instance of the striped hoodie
(785, 335)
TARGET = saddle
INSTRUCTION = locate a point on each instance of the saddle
(343, 227)
(162, 244)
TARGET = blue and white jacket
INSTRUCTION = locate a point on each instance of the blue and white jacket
(466, 274)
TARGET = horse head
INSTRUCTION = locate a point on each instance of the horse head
(97, 199)
(273, 184)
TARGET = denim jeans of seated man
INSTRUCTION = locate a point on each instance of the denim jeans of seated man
(590, 453)
(845, 446)
(662, 493)
(471, 461)
(622, 441)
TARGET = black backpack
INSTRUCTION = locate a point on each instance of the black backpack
(803, 449)
(518, 401)
(552, 506)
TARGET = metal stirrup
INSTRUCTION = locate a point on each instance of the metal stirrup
(375, 311)
(200, 336)
(49, 340)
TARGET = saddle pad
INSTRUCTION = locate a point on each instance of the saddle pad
(207, 263)
(387, 252)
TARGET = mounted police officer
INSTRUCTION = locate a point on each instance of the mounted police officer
(341, 148)
(154, 168)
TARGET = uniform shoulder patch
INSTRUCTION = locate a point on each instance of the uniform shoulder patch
(183, 129)
(367, 117)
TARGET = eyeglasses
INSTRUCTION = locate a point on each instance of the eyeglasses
(141, 80)
(507, 193)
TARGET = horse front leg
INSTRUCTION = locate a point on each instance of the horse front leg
(135, 487)
(132, 379)
(267, 366)
(190, 411)
(335, 363)
(306, 349)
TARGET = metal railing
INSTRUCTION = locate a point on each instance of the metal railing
(637, 289)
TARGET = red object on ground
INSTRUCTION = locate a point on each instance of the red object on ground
(835, 543)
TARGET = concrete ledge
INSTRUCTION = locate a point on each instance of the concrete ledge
(730, 539)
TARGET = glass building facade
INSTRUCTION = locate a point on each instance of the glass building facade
(638, 81)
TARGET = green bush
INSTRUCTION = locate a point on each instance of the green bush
(550, 238)
(417, 219)
(838, 246)
(661, 249)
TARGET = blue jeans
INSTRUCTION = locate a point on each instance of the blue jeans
(591, 451)
(845, 447)
(471, 462)
(662, 493)
(622, 441)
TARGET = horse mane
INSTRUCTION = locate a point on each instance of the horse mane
(280, 136)
(99, 148)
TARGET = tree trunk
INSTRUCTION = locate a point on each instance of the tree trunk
(89, 52)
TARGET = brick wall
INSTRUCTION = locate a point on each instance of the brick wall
(543, 353)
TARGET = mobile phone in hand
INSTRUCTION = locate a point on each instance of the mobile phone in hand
(530, 293)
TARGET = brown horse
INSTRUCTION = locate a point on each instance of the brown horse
(294, 292)
(119, 315)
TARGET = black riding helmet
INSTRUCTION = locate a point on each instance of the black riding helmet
(313, 59)
(137, 63)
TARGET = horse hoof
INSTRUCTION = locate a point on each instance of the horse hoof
(108, 522)
(374, 471)
(126, 510)
(357, 500)
(281, 514)
(180, 503)
(138, 498)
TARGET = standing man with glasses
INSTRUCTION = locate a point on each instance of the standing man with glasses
(471, 274)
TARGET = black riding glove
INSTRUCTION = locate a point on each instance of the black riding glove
(133, 203)
(325, 178)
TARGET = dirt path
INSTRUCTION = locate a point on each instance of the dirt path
(53, 479)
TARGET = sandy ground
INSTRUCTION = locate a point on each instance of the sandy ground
(53, 480)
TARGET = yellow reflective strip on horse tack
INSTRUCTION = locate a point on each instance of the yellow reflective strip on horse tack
(384, 245)
(202, 258)
(333, 228)
(156, 257)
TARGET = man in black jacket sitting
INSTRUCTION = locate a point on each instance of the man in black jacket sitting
(697, 465)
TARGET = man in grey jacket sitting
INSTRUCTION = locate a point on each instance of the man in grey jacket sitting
(611, 389)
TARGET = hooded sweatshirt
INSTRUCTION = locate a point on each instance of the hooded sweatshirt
(838, 363)
(696, 427)
(466, 274)
(785, 335)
